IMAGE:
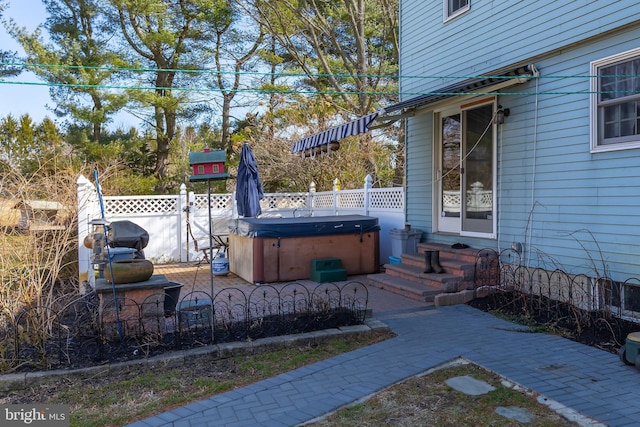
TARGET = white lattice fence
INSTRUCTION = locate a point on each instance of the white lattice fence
(476, 201)
(323, 200)
(144, 206)
(160, 216)
(165, 217)
(284, 201)
(351, 199)
(386, 198)
(218, 201)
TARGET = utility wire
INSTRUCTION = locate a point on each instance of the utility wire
(305, 92)
(291, 74)
(297, 91)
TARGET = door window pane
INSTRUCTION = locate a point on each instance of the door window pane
(478, 169)
(451, 129)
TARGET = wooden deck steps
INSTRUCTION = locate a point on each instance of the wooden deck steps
(408, 277)
(405, 287)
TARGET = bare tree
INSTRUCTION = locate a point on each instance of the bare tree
(348, 48)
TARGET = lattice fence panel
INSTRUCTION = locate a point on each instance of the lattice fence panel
(383, 198)
(351, 199)
(218, 201)
(140, 205)
(284, 201)
(323, 200)
(477, 201)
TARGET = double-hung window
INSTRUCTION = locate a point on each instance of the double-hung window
(615, 102)
(453, 8)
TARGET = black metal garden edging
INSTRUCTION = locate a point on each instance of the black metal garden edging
(589, 308)
(80, 334)
(77, 333)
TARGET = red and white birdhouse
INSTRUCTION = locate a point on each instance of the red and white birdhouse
(207, 165)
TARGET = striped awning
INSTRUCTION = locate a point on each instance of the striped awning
(478, 85)
(336, 133)
(483, 84)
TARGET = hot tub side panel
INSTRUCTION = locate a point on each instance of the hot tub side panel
(246, 258)
(285, 259)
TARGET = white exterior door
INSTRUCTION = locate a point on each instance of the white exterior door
(465, 169)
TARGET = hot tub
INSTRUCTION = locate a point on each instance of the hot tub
(264, 250)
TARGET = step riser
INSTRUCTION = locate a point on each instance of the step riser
(429, 297)
(465, 271)
(397, 271)
(446, 282)
(471, 259)
(426, 297)
(458, 274)
(446, 252)
(413, 278)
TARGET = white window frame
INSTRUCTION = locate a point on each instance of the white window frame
(616, 301)
(447, 15)
(595, 106)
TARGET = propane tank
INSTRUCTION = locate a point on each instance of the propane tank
(220, 265)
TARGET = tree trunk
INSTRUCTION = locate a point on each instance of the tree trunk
(165, 118)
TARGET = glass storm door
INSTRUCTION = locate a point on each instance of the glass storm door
(450, 144)
(466, 171)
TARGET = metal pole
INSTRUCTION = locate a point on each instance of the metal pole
(213, 319)
(106, 240)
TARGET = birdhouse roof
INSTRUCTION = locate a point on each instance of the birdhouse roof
(217, 156)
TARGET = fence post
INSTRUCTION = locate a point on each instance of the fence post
(336, 188)
(310, 197)
(190, 209)
(88, 209)
(366, 191)
(234, 206)
(182, 221)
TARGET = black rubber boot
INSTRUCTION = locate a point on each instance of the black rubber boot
(427, 261)
(435, 262)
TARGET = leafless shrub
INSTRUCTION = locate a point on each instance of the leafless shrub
(38, 256)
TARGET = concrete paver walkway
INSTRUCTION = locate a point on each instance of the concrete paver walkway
(590, 381)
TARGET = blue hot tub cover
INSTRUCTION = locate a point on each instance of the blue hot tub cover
(305, 226)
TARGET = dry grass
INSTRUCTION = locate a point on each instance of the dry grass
(9, 217)
(425, 400)
(138, 392)
(428, 401)
(32, 262)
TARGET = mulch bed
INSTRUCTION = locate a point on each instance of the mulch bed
(598, 329)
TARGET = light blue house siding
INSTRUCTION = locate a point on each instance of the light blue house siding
(571, 208)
